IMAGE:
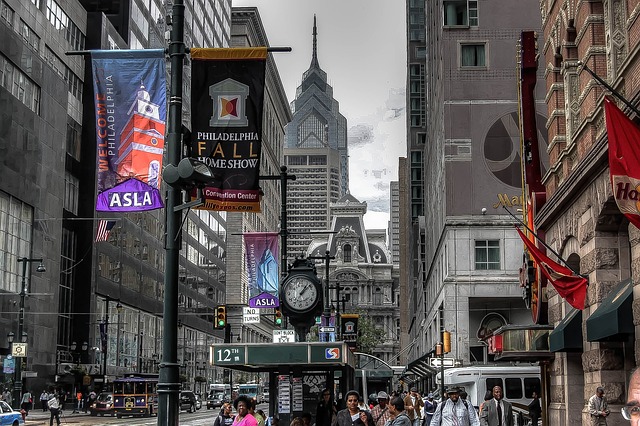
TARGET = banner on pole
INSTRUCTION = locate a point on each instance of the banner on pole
(227, 93)
(130, 106)
(261, 257)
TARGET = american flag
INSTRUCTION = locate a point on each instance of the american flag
(104, 228)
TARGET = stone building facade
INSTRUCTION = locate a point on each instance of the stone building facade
(580, 218)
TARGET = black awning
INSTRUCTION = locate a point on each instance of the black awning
(613, 320)
(567, 336)
(421, 367)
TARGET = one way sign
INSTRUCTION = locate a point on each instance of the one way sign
(437, 362)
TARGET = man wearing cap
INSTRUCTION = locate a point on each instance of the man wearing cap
(380, 412)
(413, 406)
(455, 412)
(429, 408)
(496, 412)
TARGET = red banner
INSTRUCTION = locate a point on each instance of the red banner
(624, 161)
(572, 288)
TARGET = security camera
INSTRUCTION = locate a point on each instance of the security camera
(484, 210)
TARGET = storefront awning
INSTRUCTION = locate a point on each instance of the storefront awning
(421, 366)
(567, 336)
(613, 320)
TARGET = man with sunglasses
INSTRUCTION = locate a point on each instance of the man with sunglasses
(631, 410)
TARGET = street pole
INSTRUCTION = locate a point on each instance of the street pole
(169, 380)
(17, 385)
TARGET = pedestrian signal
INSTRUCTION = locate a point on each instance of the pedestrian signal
(277, 317)
(446, 340)
(221, 317)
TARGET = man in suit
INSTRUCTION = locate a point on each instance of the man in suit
(496, 412)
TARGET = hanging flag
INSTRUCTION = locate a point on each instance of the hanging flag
(624, 161)
(261, 260)
(130, 106)
(104, 229)
(227, 92)
(572, 288)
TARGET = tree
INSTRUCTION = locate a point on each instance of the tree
(369, 336)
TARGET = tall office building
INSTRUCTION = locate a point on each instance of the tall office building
(394, 223)
(110, 290)
(316, 152)
(247, 30)
(464, 277)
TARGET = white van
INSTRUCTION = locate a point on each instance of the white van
(517, 382)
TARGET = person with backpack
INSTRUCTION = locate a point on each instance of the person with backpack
(225, 418)
(429, 409)
(455, 412)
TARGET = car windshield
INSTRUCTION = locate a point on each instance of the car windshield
(103, 397)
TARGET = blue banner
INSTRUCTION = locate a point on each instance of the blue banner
(130, 98)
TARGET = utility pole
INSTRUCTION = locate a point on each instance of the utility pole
(169, 381)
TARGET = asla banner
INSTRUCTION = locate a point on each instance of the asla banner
(261, 260)
(130, 105)
(227, 92)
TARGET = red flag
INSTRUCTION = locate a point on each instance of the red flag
(104, 229)
(570, 287)
(624, 161)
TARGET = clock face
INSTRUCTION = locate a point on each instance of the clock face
(300, 293)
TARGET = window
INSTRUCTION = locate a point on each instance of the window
(71, 189)
(487, 254)
(6, 13)
(29, 36)
(531, 384)
(346, 256)
(513, 388)
(472, 55)
(61, 21)
(20, 86)
(74, 140)
(16, 220)
(461, 13)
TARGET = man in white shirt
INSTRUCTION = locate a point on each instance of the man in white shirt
(54, 407)
(454, 411)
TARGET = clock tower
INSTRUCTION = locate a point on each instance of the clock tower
(301, 296)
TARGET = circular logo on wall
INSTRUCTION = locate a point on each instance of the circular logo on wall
(502, 148)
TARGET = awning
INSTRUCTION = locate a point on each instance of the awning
(613, 320)
(421, 366)
(567, 336)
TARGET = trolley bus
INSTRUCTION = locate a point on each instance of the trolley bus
(136, 395)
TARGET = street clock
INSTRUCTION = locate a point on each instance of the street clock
(301, 294)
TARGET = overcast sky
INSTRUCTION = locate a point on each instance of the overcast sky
(362, 48)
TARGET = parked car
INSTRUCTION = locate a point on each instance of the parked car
(215, 400)
(103, 405)
(9, 416)
(198, 402)
(188, 401)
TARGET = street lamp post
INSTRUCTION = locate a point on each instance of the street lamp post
(17, 386)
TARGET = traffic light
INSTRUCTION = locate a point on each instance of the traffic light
(221, 317)
(277, 317)
(446, 341)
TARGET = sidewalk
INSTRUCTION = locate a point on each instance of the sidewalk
(39, 417)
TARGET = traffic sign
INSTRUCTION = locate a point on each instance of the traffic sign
(19, 349)
(437, 362)
(284, 336)
(327, 329)
(224, 355)
(250, 315)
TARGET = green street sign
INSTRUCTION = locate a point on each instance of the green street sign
(225, 355)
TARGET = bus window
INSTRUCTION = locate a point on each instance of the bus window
(513, 388)
(494, 381)
(531, 385)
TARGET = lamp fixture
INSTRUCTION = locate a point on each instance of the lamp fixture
(85, 345)
(41, 268)
(10, 336)
(119, 307)
(73, 346)
(24, 337)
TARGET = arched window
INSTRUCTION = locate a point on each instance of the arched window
(346, 253)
